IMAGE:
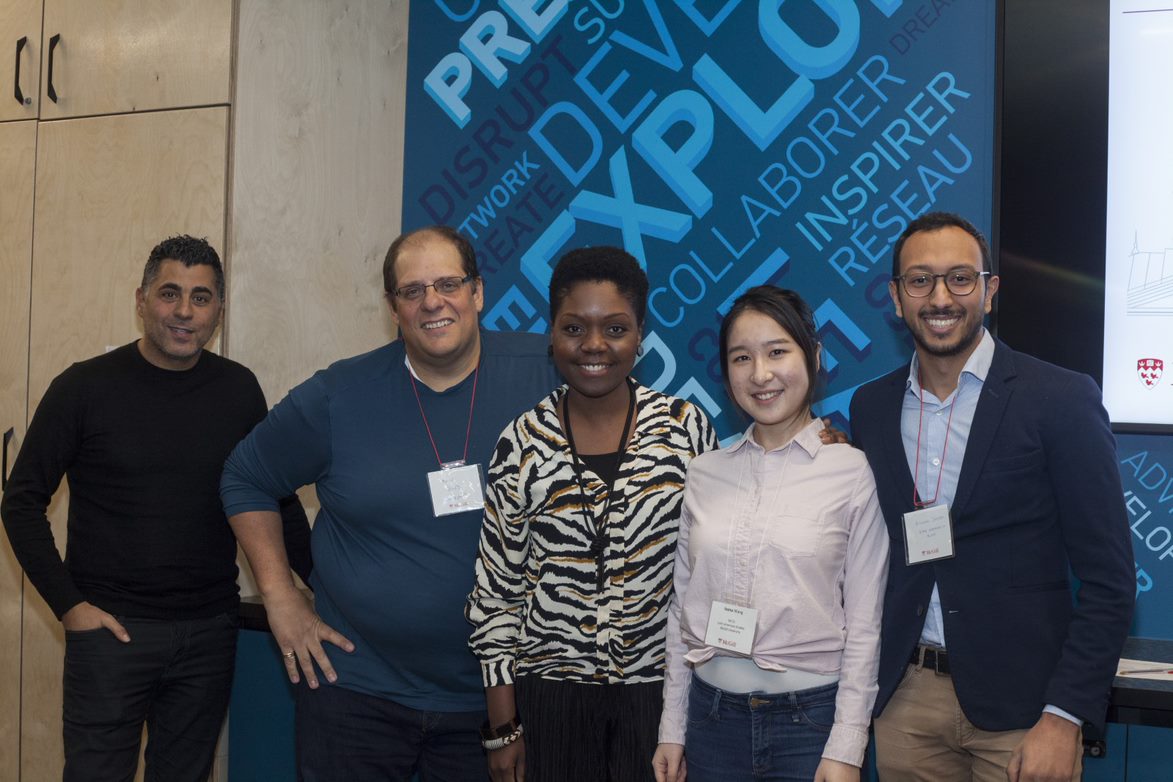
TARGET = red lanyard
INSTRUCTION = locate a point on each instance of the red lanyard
(467, 433)
(944, 448)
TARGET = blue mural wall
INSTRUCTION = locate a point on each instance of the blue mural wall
(1146, 469)
(724, 144)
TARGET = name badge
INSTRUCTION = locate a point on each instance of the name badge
(731, 627)
(928, 535)
(456, 487)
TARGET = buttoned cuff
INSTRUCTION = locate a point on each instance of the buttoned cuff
(846, 745)
(672, 728)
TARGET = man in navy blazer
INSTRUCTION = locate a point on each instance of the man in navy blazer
(997, 476)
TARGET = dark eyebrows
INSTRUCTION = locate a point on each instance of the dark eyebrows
(926, 269)
(613, 316)
(781, 341)
(172, 286)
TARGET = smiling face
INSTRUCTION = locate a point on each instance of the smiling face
(768, 377)
(595, 336)
(943, 324)
(441, 333)
(180, 310)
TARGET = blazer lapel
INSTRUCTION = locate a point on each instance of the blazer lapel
(890, 438)
(986, 418)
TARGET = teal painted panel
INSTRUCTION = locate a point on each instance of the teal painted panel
(260, 717)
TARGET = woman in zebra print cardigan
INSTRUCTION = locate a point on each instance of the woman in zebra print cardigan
(574, 573)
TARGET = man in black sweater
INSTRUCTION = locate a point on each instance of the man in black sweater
(147, 591)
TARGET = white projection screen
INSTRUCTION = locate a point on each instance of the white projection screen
(1138, 271)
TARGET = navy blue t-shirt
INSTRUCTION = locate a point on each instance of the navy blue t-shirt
(389, 574)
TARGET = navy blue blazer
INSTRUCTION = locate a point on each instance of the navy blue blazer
(1039, 500)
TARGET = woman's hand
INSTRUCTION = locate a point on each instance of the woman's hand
(834, 771)
(508, 763)
(668, 763)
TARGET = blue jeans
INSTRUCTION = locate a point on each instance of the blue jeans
(175, 676)
(757, 736)
(348, 736)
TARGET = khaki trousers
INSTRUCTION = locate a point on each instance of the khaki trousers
(923, 736)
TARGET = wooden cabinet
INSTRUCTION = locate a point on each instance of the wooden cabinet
(113, 56)
(17, 156)
(92, 57)
(107, 190)
(20, 59)
(114, 164)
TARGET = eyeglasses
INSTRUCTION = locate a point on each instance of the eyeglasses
(959, 282)
(445, 286)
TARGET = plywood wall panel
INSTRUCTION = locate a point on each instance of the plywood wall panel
(316, 183)
(18, 144)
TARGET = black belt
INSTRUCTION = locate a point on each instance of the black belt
(933, 659)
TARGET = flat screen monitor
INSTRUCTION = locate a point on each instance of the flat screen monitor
(1084, 196)
(1138, 252)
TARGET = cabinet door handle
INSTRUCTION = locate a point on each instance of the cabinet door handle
(52, 91)
(20, 98)
(4, 464)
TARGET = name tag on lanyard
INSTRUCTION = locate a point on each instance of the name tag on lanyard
(928, 535)
(456, 488)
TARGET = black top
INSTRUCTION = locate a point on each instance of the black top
(143, 448)
(603, 465)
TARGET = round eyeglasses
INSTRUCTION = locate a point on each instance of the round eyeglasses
(959, 282)
(445, 286)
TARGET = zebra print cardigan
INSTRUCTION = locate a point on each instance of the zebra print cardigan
(536, 609)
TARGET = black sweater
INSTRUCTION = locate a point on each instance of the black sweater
(143, 449)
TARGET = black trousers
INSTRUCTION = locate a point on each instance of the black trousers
(173, 676)
(588, 732)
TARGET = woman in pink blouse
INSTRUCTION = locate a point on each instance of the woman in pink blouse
(773, 630)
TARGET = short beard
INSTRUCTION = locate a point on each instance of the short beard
(963, 344)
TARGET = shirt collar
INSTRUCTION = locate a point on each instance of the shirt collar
(807, 439)
(977, 365)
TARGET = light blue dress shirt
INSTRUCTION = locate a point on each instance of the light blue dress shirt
(939, 467)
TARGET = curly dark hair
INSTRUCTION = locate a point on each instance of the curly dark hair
(189, 251)
(788, 310)
(600, 264)
(935, 221)
(468, 256)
